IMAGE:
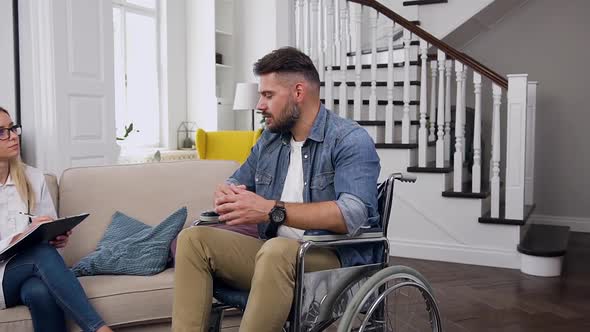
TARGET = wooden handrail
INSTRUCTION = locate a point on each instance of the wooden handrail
(452, 52)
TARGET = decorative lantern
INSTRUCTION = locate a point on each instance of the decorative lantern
(186, 135)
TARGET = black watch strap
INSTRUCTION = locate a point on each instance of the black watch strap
(273, 227)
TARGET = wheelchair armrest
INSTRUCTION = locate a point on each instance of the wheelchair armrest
(326, 236)
(325, 239)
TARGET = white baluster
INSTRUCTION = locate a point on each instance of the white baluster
(448, 119)
(531, 116)
(314, 42)
(423, 131)
(308, 34)
(329, 85)
(495, 180)
(342, 92)
(515, 145)
(358, 102)
(373, 96)
(300, 26)
(406, 91)
(476, 169)
(337, 29)
(440, 118)
(389, 113)
(433, 101)
(347, 26)
(321, 43)
(458, 155)
(464, 108)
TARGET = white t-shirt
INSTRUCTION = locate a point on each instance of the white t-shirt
(293, 188)
(11, 222)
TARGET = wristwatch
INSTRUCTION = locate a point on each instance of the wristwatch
(278, 214)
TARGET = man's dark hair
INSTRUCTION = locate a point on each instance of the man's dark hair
(287, 60)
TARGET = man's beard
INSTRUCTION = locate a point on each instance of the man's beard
(286, 119)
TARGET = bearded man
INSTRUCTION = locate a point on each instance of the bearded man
(310, 169)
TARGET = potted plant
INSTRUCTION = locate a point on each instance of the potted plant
(128, 130)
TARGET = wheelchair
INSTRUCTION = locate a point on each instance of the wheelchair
(373, 297)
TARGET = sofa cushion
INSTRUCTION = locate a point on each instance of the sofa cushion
(120, 301)
(51, 181)
(147, 192)
(132, 247)
(125, 300)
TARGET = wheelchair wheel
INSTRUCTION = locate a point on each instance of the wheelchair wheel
(397, 298)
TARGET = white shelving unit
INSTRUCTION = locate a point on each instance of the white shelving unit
(224, 71)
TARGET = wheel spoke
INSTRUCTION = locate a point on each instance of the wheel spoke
(396, 300)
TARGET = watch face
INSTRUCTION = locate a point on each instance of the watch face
(278, 215)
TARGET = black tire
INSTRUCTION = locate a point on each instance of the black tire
(368, 309)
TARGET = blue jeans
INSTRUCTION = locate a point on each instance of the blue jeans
(40, 279)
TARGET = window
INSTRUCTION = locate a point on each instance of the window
(137, 88)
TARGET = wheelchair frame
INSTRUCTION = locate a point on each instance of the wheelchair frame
(325, 316)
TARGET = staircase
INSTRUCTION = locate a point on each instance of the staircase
(467, 131)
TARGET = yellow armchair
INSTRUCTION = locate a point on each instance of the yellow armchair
(226, 145)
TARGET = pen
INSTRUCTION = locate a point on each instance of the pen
(29, 215)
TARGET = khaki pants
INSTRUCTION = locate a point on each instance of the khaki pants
(266, 268)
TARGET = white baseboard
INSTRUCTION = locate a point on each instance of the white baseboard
(455, 253)
(576, 224)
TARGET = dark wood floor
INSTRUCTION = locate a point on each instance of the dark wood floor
(476, 298)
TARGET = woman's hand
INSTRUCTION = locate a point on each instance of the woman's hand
(61, 240)
(40, 220)
(34, 223)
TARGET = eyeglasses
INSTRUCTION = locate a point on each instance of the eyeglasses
(5, 132)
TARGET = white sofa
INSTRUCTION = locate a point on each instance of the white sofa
(148, 192)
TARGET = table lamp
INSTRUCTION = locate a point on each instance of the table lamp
(246, 98)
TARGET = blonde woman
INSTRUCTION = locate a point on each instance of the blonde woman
(38, 277)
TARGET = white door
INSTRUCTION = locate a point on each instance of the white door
(68, 86)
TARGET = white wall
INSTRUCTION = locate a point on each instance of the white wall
(438, 19)
(200, 63)
(441, 19)
(260, 27)
(7, 97)
(174, 75)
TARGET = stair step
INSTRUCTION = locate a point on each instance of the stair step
(382, 123)
(385, 48)
(379, 102)
(466, 192)
(501, 220)
(545, 241)
(430, 166)
(379, 65)
(412, 145)
(377, 83)
(423, 2)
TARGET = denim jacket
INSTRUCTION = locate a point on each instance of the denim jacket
(340, 164)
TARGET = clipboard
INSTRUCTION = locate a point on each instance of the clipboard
(42, 233)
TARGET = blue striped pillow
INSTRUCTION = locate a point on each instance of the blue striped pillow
(132, 247)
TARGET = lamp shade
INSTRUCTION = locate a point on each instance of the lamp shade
(246, 97)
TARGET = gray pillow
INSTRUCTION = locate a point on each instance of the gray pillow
(132, 247)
